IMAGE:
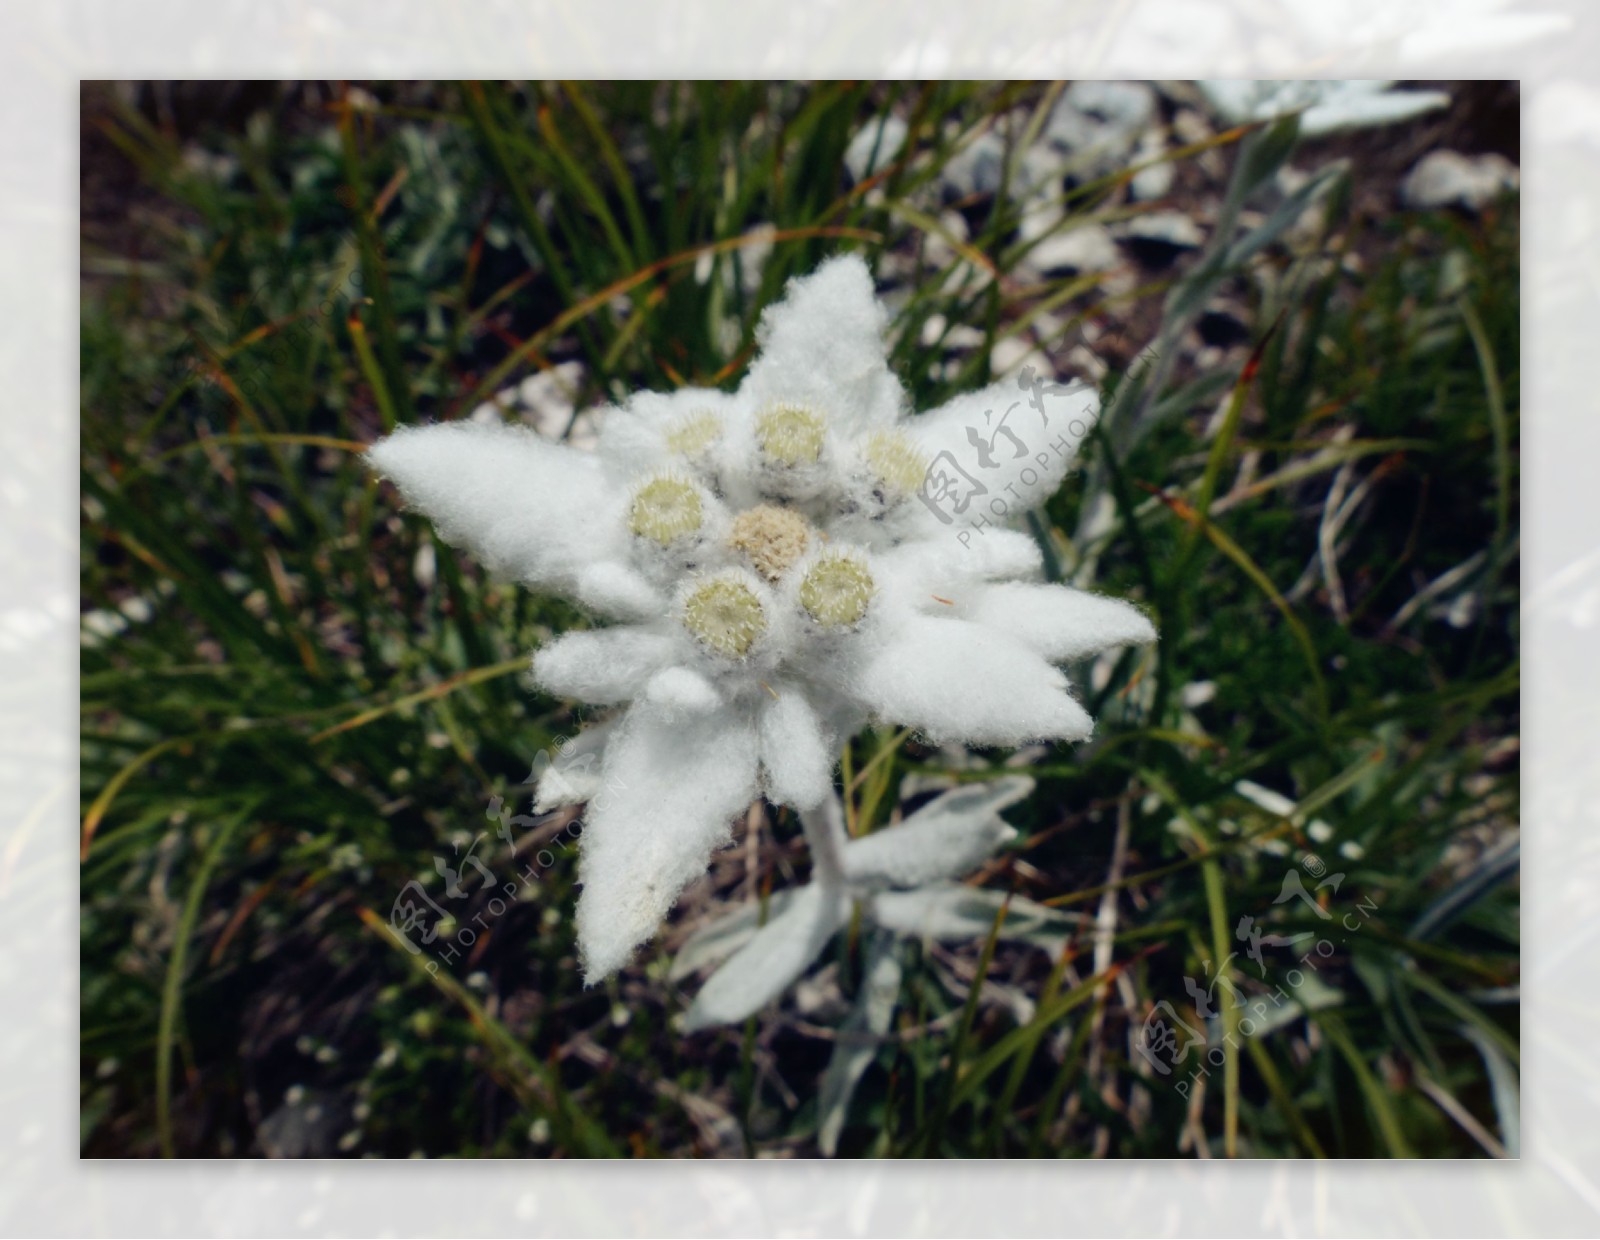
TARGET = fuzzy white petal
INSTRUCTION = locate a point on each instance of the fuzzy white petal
(823, 346)
(795, 751)
(671, 792)
(945, 566)
(1058, 622)
(604, 666)
(957, 681)
(993, 455)
(947, 838)
(682, 689)
(529, 509)
(613, 588)
(944, 575)
(764, 967)
(565, 786)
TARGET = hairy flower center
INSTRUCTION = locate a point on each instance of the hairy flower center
(789, 434)
(694, 433)
(665, 509)
(726, 615)
(773, 538)
(896, 461)
(836, 590)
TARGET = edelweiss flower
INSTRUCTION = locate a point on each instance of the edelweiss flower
(782, 564)
(903, 875)
(1329, 105)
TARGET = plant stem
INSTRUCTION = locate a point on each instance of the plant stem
(824, 828)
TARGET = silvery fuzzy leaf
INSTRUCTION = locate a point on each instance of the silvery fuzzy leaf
(716, 941)
(764, 967)
(976, 799)
(1357, 108)
(915, 783)
(859, 1038)
(946, 838)
(949, 911)
(1328, 104)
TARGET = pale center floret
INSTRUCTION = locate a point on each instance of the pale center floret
(790, 434)
(725, 613)
(694, 433)
(896, 461)
(836, 590)
(666, 509)
(772, 538)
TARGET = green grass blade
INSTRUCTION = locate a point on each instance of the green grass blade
(172, 988)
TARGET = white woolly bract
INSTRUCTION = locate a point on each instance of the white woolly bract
(1058, 622)
(670, 791)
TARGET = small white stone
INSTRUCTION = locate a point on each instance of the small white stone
(547, 399)
(874, 146)
(1156, 180)
(1172, 227)
(976, 169)
(1010, 355)
(1449, 178)
(424, 566)
(1126, 105)
(1084, 249)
